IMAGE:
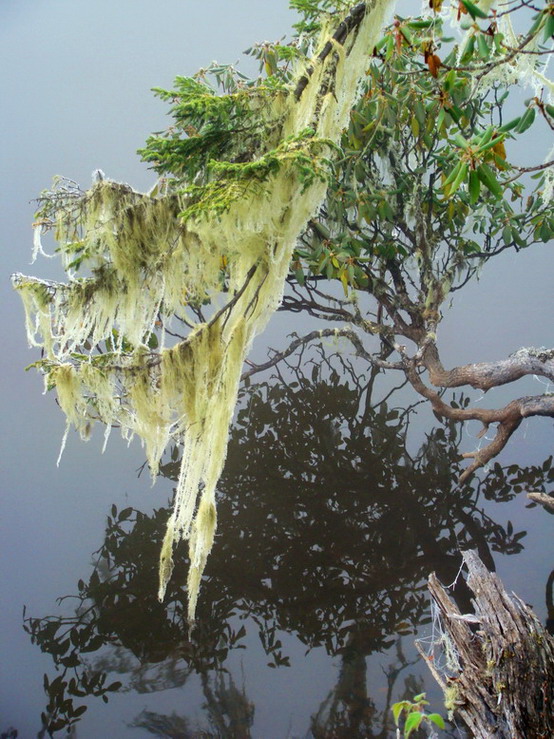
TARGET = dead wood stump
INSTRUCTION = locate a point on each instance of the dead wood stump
(495, 667)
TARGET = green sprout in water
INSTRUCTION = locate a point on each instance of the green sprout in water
(415, 714)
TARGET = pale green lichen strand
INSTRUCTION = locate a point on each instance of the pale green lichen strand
(146, 260)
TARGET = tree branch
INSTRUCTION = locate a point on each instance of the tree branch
(346, 333)
(507, 418)
(485, 375)
(352, 21)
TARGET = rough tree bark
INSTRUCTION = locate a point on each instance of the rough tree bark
(501, 660)
(484, 376)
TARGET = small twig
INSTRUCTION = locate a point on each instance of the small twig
(525, 170)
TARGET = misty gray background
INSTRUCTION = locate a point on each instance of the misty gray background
(75, 79)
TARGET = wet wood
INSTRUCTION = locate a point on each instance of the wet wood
(500, 676)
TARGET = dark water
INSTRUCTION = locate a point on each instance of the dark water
(338, 498)
(334, 507)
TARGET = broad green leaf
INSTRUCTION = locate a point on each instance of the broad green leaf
(526, 120)
(460, 141)
(487, 177)
(510, 125)
(507, 234)
(462, 174)
(398, 708)
(469, 48)
(412, 723)
(474, 187)
(483, 47)
(473, 10)
(549, 27)
(437, 719)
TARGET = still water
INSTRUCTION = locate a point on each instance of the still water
(336, 503)
(338, 499)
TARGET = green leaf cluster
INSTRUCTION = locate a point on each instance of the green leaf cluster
(415, 715)
(313, 13)
(206, 126)
(425, 178)
(305, 154)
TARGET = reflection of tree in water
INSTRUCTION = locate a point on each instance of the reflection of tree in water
(229, 712)
(331, 527)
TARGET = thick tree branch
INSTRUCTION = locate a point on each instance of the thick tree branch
(352, 21)
(485, 375)
(507, 418)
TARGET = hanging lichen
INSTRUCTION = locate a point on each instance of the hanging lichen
(218, 230)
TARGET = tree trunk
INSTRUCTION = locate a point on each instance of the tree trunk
(498, 675)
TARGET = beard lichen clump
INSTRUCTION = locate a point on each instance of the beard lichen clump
(221, 232)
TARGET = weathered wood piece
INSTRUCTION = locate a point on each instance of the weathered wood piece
(545, 500)
(500, 661)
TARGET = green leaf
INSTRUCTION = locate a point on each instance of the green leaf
(398, 708)
(452, 175)
(507, 234)
(510, 125)
(487, 177)
(474, 187)
(300, 277)
(486, 137)
(545, 232)
(483, 47)
(460, 141)
(407, 35)
(549, 28)
(437, 719)
(473, 10)
(469, 48)
(423, 23)
(458, 180)
(413, 722)
(526, 120)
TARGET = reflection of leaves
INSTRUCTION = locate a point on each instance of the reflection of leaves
(331, 527)
(163, 726)
(229, 713)
(503, 484)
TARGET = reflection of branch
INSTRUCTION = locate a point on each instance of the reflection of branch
(346, 333)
